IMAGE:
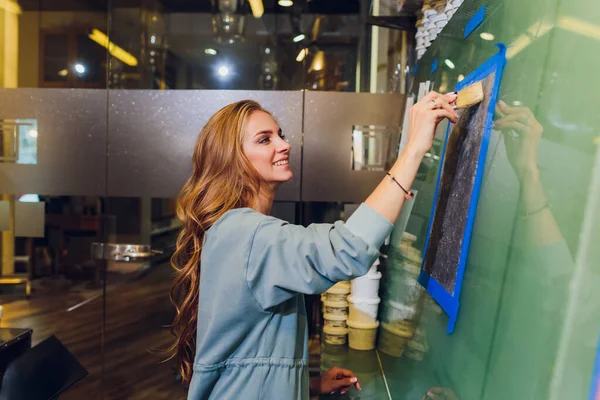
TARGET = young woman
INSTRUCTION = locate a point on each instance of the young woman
(241, 328)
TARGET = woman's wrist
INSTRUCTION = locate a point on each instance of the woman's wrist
(413, 154)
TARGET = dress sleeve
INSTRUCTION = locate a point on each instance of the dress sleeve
(286, 259)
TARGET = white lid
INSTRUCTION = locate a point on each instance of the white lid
(353, 299)
(335, 317)
(372, 273)
(334, 330)
(337, 304)
(362, 324)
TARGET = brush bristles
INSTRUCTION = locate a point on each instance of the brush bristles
(470, 95)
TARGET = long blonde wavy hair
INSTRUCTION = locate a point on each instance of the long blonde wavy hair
(222, 179)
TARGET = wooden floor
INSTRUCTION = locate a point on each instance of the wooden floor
(137, 312)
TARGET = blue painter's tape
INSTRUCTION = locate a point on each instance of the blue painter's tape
(434, 65)
(595, 389)
(474, 21)
(450, 301)
(416, 69)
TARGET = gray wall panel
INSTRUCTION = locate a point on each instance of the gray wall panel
(152, 135)
(329, 117)
(71, 141)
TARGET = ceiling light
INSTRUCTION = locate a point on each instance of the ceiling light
(223, 71)
(257, 8)
(63, 72)
(299, 38)
(79, 68)
(486, 36)
(449, 64)
(285, 3)
(461, 77)
(210, 52)
(301, 55)
(113, 49)
(517, 103)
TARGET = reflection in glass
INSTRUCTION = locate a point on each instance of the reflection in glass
(374, 148)
(55, 57)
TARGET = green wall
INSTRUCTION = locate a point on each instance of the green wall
(530, 308)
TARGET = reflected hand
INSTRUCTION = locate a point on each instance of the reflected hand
(439, 393)
(522, 134)
(338, 379)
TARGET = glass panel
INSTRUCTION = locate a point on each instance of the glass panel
(90, 63)
(56, 57)
(51, 206)
(529, 265)
(374, 148)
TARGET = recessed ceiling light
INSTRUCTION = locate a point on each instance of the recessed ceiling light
(79, 68)
(299, 38)
(210, 52)
(285, 3)
(223, 71)
(449, 63)
(461, 77)
(486, 36)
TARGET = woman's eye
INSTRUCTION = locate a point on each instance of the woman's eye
(264, 140)
(282, 136)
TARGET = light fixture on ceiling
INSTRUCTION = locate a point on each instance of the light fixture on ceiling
(301, 55)
(79, 68)
(299, 38)
(285, 3)
(257, 8)
(223, 71)
(460, 77)
(210, 52)
(517, 103)
(449, 63)
(486, 36)
(113, 49)
(63, 72)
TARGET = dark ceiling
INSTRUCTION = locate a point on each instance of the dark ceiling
(313, 6)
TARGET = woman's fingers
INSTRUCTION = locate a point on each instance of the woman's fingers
(443, 113)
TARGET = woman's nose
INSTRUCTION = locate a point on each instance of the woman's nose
(284, 146)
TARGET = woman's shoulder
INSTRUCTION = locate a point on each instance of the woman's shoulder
(239, 220)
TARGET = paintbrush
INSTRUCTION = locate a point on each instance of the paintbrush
(469, 96)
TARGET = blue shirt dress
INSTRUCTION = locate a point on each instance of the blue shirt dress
(252, 340)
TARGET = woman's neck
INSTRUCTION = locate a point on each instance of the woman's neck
(264, 202)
